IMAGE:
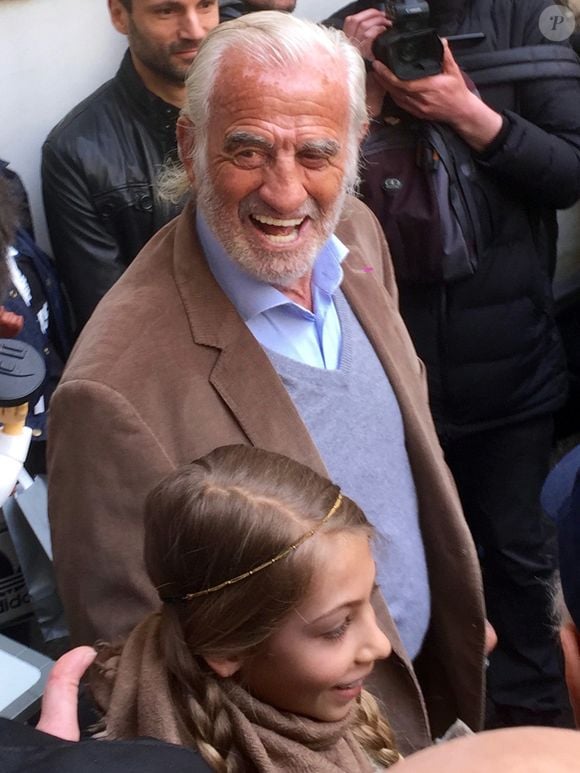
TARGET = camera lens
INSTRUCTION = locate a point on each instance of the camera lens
(408, 51)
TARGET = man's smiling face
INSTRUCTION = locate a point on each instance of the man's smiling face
(277, 156)
(164, 35)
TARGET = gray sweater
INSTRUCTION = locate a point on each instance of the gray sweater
(353, 418)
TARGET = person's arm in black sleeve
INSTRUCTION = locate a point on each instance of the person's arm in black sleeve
(539, 149)
(535, 152)
(538, 152)
(55, 746)
(87, 256)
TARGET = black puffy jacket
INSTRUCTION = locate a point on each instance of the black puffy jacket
(99, 165)
(489, 342)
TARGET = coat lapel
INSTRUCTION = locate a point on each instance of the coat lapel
(242, 375)
(379, 318)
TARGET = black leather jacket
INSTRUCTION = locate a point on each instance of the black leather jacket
(99, 165)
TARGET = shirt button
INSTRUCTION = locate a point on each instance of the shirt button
(46, 350)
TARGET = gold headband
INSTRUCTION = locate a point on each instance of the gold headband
(278, 557)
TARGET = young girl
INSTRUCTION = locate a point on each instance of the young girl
(266, 631)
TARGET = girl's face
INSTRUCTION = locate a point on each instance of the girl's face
(316, 662)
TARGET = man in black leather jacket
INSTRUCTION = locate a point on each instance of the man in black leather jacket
(100, 162)
(494, 360)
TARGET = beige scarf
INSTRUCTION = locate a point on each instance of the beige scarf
(132, 689)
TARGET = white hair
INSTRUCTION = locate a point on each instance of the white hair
(561, 616)
(273, 40)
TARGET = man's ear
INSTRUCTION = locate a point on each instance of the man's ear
(119, 16)
(224, 667)
(186, 145)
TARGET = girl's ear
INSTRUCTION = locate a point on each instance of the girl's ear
(224, 667)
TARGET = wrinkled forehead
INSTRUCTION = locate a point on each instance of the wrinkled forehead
(244, 74)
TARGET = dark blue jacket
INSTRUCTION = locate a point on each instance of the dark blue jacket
(56, 343)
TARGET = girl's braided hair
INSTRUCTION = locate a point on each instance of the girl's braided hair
(214, 520)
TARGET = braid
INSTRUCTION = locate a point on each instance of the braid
(374, 733)
(198, 700)
(204, 720)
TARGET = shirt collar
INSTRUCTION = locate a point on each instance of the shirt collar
(250, 296)
(159, 113)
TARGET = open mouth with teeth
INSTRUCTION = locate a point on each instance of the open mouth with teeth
(278, 230)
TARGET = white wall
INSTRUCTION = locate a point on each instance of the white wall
(52, 54)
(318, 9)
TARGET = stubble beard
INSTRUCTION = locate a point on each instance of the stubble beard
(158, 59)
(275, 267)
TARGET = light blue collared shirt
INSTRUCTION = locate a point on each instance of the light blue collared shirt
(278, 323)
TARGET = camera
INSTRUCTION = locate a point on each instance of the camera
(411, 48)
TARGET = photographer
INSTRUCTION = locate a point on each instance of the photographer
(495, 363)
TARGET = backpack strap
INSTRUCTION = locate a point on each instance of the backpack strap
(520, 64)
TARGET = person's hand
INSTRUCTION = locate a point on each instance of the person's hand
(362, 28)
(58, 715)
(10, 323)
(446, 98)
(490, 638)
(439, 97)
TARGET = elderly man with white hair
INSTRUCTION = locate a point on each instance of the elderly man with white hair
(266, 314)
